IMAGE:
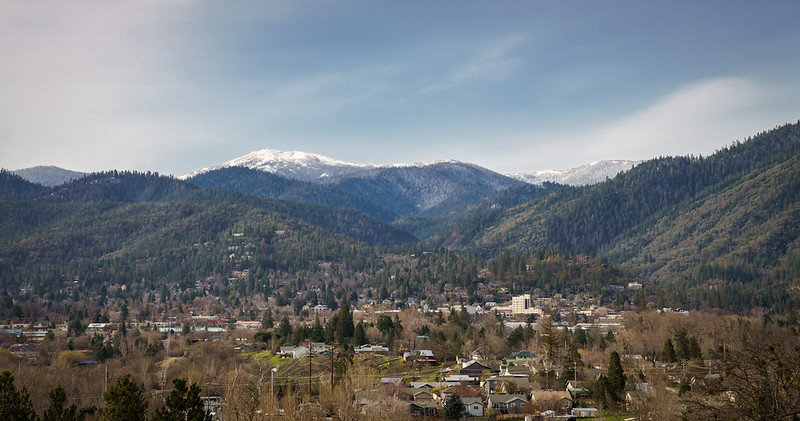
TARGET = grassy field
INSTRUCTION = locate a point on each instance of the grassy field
(613, 415)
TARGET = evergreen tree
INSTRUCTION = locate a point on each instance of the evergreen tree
(515, 338)
(317, 331)
(267, 322)
(668, 352)
(359, 336)
(14, 405)
(385, 324)
(285, 329)
(570, 363)
(682, 345)
(344, 327)
(695, 352)
(453, 407)
(125, 401)
(615, 376)
(56, 411)
(183, 404)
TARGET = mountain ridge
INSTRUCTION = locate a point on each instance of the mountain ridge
(318, 168)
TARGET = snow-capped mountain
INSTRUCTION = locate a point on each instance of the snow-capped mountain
(406, 189)
(302, 166)
(593, 173)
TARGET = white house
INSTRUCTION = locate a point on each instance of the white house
(473, 406)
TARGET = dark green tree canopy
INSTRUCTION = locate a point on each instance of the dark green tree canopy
(453, 407)
(125, 401)
(183, 404)
(616, 376)
(56, 411)
(15, 405)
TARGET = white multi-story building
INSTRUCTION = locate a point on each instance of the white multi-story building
(521, 303)
(524, 304)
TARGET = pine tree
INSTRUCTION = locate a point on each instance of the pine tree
(360, 336)
(453, 407)
(668, 352)
(14, 405)
(616, 376)
(317, 331)
(344, 327)
(125, 401)
(56, 411)
(183, 404)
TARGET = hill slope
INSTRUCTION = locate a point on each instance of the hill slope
(48, 176)
(145, 245)
(645, 215)
(262, 183)
(128, 187)
(431, 188)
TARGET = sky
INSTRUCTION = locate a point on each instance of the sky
(513, 86)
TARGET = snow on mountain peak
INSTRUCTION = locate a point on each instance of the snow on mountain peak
(591, 173)
(305, 166)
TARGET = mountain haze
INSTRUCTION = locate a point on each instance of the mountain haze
(48, 176)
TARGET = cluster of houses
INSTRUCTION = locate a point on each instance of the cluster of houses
(483, 389)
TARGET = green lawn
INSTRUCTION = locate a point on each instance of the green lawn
(614, 415)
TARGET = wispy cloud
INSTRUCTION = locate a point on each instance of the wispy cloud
(492, 63)
(695, 119)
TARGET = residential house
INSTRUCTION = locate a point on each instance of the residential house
(371, 348)
(516, 371)
(97, 327)
(557, 400)
(636, 398)
(393, 381)
(585, 412)
(520, 357)
(506, 404)
(293, 352)
(462, 391)
(495, 384)
(248, 324)
(578, 390)
(473, 406)
(422, 356)
(421, 395)
(319, 348)
(423, 409)
(474, 368)
(461, 379)
(432, 385)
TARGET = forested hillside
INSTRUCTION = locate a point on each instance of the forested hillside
(732, 216)
(13, 186)
(430, 190)
(474, 218)
(262, 183)
(132, 187)
(148, 246)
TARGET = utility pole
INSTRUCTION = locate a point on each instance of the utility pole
(331, 370)
(309, 371)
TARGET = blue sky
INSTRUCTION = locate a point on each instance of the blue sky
(514, 86)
